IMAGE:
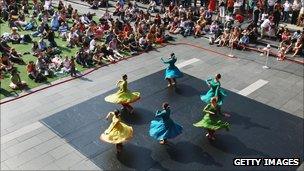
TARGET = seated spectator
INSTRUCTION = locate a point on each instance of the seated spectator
(73, 38)
(6, 64)
(42, 45)
(298, 47)
(42, 66)
(296, 35)
(224, 38)
(66, 63)
(281, 53)
(152, 6)
(15, 57)
(15, 36)
(31, 70)
(200, 24)
(82, 58)
(144, 44)
(39, 31)
(63, 30)
(31, 25)
(113, 47)
(55, 22)
(244, 41)
(16, 82)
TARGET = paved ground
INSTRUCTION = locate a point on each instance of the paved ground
(26, 143)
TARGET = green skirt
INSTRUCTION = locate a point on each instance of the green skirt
(213, 122)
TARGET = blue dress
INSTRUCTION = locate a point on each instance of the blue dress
(163, 127)
(172, 71)
(215, 90)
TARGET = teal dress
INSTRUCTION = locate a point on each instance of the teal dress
(213, 119)
(172, 71)
(163, 127)
(215, 90)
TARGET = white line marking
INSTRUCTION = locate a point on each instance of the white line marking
(21, 131)
(188, 62)
(251, 88)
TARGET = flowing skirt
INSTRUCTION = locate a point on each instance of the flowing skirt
(213, 122)
(173, 72)
(118, 134)
(161, 130)
(123, 97)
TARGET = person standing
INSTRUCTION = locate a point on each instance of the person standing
(286, 11)
(172, 72)
(214, 91)
(296, 7)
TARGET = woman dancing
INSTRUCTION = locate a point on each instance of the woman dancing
(123, 96)
(163, 127)
(172, 72)
(214, 91)
(117, 132)
(212, 120)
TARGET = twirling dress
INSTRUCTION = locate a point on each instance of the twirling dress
(117, 132)
(163, 127)
(213, 119)
(123, 95)
(172, 71)
(215, 90)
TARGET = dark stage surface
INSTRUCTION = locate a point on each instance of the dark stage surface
(257, 130)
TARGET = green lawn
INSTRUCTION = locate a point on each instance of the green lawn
(5, 90)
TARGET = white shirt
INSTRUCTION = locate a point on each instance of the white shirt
(266, 23)
(286, 6)
(92, 44)
(271, 2)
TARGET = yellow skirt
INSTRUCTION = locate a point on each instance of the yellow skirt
(123, 97)
(118, 134)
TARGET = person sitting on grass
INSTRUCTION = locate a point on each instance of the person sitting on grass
(16, 82)
(15, 36)
(42, 45)
(73, 38)
(113, 47)
(39, 31)
(15, 57)
(5, 64)
(66, 65)
(31, 25)
(55, 22)
(63, 30)
(42, 66)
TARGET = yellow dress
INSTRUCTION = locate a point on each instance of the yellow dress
(123, 95)
(117, 132)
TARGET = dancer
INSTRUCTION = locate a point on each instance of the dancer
(163, 127)
(214, 91)
(124, 96)
(212, 120)
(172, 72)
(117, 132)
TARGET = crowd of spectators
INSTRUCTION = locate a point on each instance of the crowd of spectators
(133, 30)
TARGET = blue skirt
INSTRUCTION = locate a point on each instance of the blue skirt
(207, 97)
(161, 130)
(173, 72)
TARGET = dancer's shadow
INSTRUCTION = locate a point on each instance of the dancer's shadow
(85, 79)
(232, 145)
(138, 158)
(186, 90)
(139, 117)
(238, 119)
(186, 152)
